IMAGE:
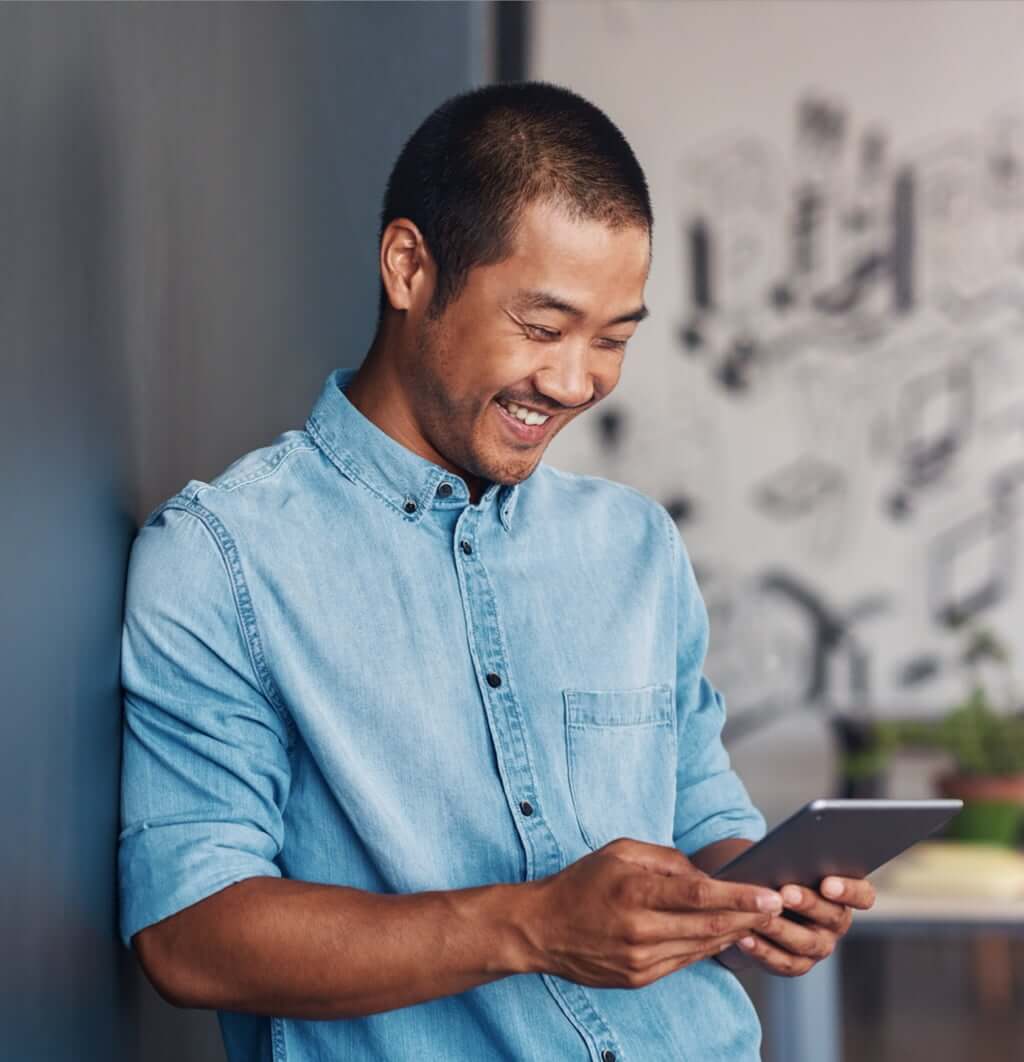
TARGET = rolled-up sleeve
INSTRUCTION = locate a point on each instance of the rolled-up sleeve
(711, 801)
(205, 764)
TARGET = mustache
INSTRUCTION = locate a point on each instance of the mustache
(542, 407)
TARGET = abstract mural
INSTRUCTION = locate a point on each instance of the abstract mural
(833, 411)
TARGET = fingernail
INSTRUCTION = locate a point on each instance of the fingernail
(747, 942)
(792, 895)
(831, 887)
(769, 901)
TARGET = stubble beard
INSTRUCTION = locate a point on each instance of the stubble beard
(442, 413)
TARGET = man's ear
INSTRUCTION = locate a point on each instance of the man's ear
(407, 269)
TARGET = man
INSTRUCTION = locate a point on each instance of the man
(419, 758)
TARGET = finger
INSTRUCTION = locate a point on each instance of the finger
(775, 959)
(854, 892)
(684, 949)
(664, 968)
(811, 942)
(811, 905)
(663, 959)
(699, 892)
(656, 927)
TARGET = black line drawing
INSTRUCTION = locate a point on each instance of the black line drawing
(681, 507)
(611, 426)
(934, 417)
(799, 488)
(919, 669)
(971, 566)
(1006, 486)
(779, 647)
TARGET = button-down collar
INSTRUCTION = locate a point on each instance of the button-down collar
(401, 478)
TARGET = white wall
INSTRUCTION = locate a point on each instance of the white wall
(845, 441)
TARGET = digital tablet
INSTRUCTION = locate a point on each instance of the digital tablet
(847, 838)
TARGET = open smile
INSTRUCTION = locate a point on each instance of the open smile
(531, 433)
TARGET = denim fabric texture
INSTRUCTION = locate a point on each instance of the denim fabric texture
(337, 669)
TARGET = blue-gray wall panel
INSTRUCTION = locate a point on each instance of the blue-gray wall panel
(188, 211)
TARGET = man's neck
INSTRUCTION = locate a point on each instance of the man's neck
(377, 393)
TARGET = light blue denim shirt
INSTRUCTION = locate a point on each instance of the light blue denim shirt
(337, 669)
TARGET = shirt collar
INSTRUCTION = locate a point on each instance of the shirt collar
(404, 480)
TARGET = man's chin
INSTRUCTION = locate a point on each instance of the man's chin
(509, 476)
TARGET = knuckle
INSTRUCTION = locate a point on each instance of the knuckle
(700, 892)
(718, 924)
(632, 890)
(636, 960)
(633, 930)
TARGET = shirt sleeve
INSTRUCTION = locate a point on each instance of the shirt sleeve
(712, 803)
(205, 768)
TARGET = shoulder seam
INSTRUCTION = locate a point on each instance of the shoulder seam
(243, 601)
(267, 467)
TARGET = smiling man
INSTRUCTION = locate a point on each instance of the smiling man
(419, 757)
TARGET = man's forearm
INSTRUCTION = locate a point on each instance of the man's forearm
(296, 949)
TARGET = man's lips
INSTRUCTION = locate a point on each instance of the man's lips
(526, 432)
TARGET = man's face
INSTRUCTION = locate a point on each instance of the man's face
(505, 339)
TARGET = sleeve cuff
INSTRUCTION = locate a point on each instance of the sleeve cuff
(163, 869)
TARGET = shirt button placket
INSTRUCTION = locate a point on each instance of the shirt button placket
(502, 709)
(508, 734)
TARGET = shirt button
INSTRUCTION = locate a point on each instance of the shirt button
(444, 490)
(410, 507)
(607, 1056)
(493, 680)
(465, 547)
(526, 807)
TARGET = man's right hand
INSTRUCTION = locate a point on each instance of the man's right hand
(632, 912)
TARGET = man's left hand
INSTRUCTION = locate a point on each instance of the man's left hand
(788, 948)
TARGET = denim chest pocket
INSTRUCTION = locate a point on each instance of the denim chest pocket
(621, 749)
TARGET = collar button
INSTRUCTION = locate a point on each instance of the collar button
(444, 490)
(410, 506)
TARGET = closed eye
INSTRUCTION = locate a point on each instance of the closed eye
(547, 333)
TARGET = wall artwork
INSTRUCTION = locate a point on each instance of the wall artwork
(833, 409)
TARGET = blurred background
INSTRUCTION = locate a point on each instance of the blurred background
(828, 397)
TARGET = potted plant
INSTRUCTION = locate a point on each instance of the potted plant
(985, 743)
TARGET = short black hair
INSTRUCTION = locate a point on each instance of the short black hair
(474, 163)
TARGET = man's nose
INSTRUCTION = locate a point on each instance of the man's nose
(568, 380)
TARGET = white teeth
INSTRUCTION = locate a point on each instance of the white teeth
(527, 416)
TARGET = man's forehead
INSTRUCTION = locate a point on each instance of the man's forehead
(528, 298)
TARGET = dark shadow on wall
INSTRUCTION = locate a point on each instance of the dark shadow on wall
(188, 211)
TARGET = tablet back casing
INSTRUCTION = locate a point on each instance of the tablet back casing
(848, 838)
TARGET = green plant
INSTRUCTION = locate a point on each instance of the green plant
(982, 739)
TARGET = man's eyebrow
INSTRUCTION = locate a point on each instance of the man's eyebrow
(538, 299)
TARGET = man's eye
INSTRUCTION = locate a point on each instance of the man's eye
(618, 344)
(545, 333)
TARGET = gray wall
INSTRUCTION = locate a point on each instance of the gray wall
(188, 200)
